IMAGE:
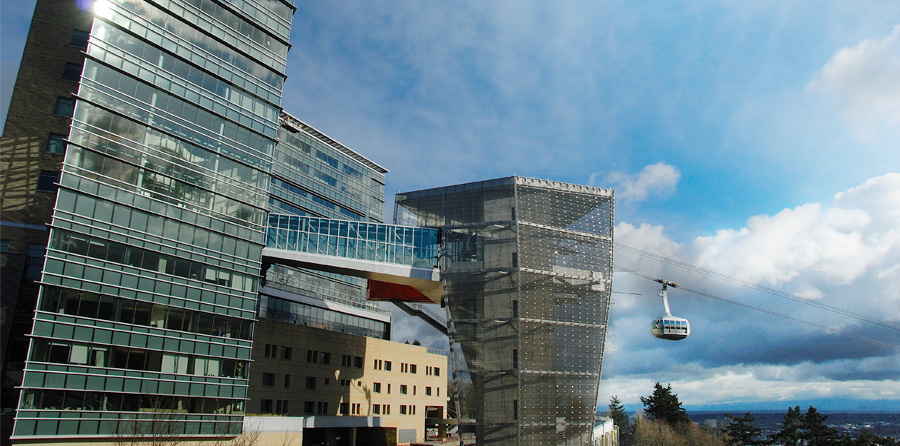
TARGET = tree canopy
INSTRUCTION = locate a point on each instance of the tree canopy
(667, 424)
(617, 412)
(663, 405)
(741, 431)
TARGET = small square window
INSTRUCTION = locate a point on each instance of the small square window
(64, 107)
(56, 143)
(47, 180)
(80, 38)
(72, 72)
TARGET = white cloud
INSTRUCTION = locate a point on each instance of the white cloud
(654, 179)
(864, 82)
(813, 249)
(696, 386)
(845, 254)
(816, 250)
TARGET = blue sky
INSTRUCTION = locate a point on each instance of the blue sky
(754, 139)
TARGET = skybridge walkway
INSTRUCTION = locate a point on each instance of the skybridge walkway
(400, 262)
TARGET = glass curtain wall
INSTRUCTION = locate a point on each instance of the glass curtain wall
(145, 317)
(316, 176)
(527, 271)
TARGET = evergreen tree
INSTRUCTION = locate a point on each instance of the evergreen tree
(741, 431)
(867, 438)
(816, 432)
(663, 405)
(620, 418)
(617, 412)
(791, 430)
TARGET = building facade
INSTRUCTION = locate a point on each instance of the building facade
(527, 268)
(153, 299)
(31, 152)
(322, 351)
(332, 378)
(148, 292)
(317, 176)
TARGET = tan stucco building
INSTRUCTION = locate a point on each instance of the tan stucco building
(346, 386)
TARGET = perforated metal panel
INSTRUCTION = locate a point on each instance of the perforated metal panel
(527, 270)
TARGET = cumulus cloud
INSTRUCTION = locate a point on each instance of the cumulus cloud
(815, 246)
(864, 83)
(654, 179)
(844, 254)
(770, 386)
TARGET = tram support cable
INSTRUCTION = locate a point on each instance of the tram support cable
(758, 287)
(769, 312)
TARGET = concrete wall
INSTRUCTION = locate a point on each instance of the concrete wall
(372, 388)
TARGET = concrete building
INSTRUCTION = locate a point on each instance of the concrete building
(347, 386)
(605, 433)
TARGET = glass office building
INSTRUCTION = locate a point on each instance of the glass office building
(314, 175)
(148, 295)
(527, 273)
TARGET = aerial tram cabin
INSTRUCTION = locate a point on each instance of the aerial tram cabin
(669, 327)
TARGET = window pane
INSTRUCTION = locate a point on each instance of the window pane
(47, 180)
(56, 143)
(79, 38)
(72, 72)
(64, 107)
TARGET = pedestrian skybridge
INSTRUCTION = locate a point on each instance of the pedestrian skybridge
(400, 262)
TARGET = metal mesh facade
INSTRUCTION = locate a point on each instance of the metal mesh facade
(527, 269)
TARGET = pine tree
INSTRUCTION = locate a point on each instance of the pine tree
(868, 438)
(617, 412)
(816, 432)
(741, 431)
(620, 418)
(663, 405)
(791, 430)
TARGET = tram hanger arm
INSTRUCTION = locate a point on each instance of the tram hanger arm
(667, 283)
